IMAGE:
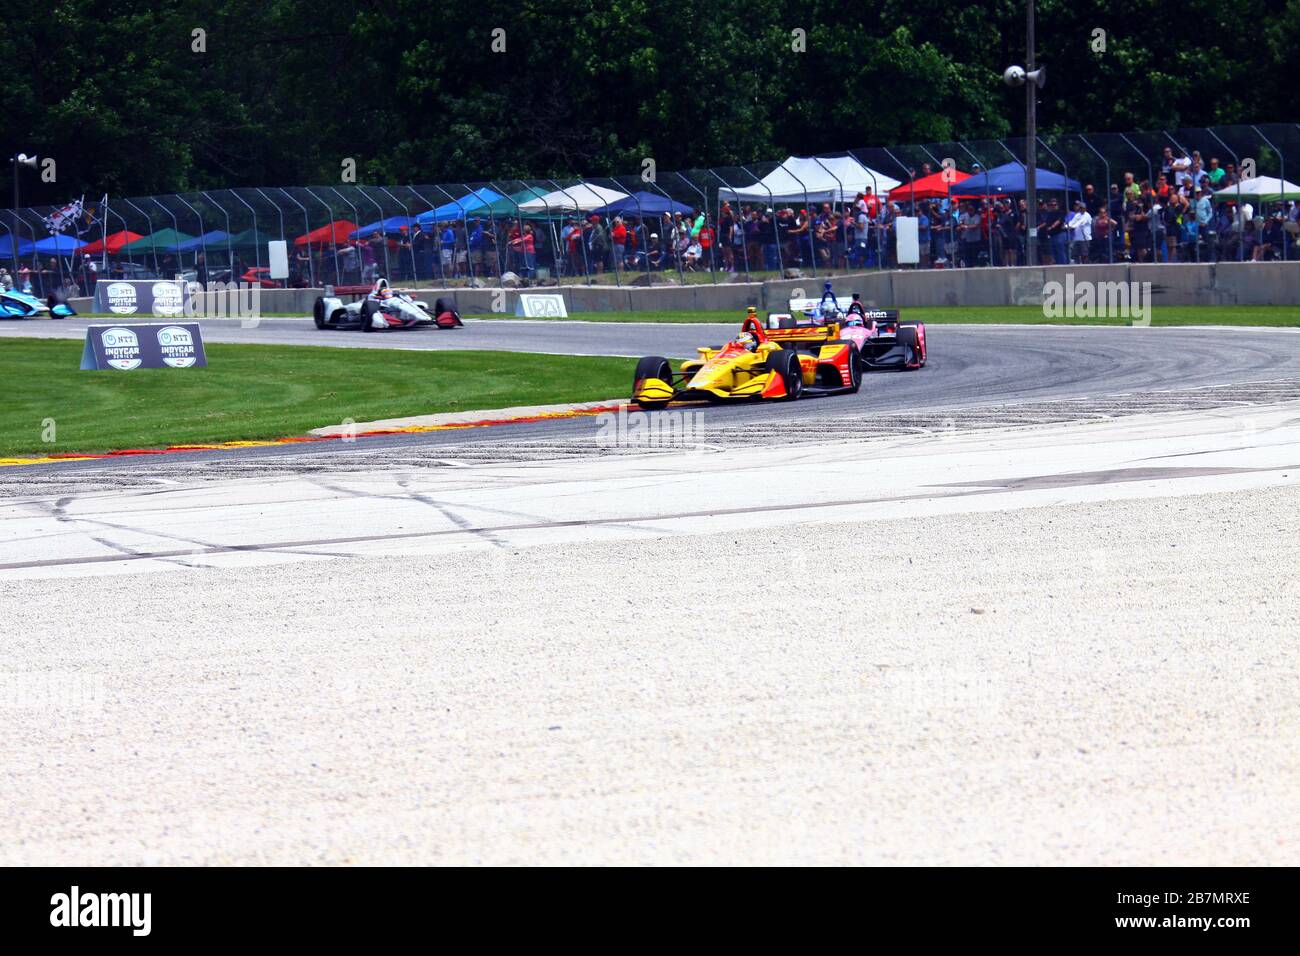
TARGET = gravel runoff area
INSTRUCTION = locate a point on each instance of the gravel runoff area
(1102, 683)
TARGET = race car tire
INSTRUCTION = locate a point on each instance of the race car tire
(318, 313)
(907, 337)
(855, 370)
(367, 317)
(786, 364)
(652, 366)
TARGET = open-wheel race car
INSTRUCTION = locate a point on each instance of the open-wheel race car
(23, 305)
(380, 307)
(781, 363)
(882, 340)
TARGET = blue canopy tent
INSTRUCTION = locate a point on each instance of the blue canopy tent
(459, 208)
(644, 204)
(1011, 178)
(58, 245)
(216, 239)
(392, 227)
(25, 246)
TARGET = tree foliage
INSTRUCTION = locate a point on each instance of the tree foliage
(413, 91)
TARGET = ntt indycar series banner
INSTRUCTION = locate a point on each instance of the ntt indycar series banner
(128, 347)
(160, 297)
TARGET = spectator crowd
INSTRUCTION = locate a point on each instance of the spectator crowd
(1173, 219)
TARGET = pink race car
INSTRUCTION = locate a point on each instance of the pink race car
(880, 340)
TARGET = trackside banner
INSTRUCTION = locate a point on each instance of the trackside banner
(541, 305)
(161, 297)
(128, 347)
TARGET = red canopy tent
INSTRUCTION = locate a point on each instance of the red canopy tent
(336, 232)
(933, 186)
(113, 243)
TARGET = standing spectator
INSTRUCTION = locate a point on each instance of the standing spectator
(447, 250)
(968, 231)
(1103, 232)
(618, 237)
(923, 237)
(1215, 173)
(1057, 236)
(1091, 201)
(1080, 227)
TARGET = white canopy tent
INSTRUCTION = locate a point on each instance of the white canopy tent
(579, 198)
(807, 179)
(1259, 189)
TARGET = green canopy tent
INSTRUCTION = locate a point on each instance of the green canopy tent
(1258, 190)
(250, 238)
(164, 240)
(507, 207)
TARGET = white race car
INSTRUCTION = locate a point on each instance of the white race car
(380, 307)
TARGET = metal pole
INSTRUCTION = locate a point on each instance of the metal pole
(681, 273)
(1066, 171)
(13, 231)
(257, 237)
(713, 272)
(1281, 158)
(519, 219)
(151, 242)
(125, 226)
(334, 233)
(383, 231)
(771, 204)
(279, 212)
(176, 229)
(311, 268)
(586, 262)
(230, 249)
(951, 231)
(880, 205)
(806, 203)
(203, 242)
(329, 222)
(744, 246)
(436, 237)
(987, 185)
(410, 227)
(469, 261)
(1241, 223)
(1031, 143)
(1110, 244)
(840, 184)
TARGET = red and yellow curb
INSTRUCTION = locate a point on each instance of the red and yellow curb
(308, 439)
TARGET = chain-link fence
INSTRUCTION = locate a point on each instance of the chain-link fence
(1165, 196)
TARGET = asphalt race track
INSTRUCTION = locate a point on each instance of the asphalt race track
(970, 366)
(1035, 603)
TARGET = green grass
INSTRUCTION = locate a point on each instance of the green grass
(252, 392)
(1264, 315)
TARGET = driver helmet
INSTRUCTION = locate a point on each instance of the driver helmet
(748, 340)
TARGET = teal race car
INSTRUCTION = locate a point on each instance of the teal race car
(22, 305)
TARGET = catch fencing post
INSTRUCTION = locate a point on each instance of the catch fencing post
(152, 245)
(1110, 233)
(1241, 222)
(311, 266)
(329, 223)
(771, 204)
(1281, 158)
(744, 246)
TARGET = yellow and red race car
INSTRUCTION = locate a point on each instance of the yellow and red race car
(758, 364)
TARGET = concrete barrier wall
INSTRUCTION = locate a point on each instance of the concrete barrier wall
(1224, 283)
